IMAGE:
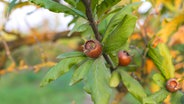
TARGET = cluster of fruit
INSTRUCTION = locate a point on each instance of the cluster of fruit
(93, 49)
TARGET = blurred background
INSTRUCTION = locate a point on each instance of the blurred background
(32, 37)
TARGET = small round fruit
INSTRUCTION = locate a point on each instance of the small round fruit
(124, 58)
(93, 48)
(172, 85)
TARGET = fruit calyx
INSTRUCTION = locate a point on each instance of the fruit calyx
(172, 85)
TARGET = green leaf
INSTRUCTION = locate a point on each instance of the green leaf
(105, 6)
(72, 2)
(110, 13)
(157, 97)
(132, 85)
(102, 26)
(71, 54)
(115, 79)
(80, 26)
(162, 59)
(114, 58)
(159, 80)
(59, 69)
(176, 98)
(94, 3)
(97, 82)
(80, 6)
(130, 99)
(81, 72)
(120, 35)
(57, 7)
(87, 33)
(117, 19)
(104, 21)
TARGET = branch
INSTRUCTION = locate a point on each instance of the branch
(30, 40)
(89, 14)
(91, 20)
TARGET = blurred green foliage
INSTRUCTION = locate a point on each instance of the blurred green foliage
(23, 88)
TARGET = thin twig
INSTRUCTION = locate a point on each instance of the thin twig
(8, 53)
(143, 33)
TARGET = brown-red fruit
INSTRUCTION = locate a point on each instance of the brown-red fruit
(93, 48)
(172, 85)
(124, 58)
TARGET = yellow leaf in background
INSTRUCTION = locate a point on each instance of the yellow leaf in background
(177, 4)
(172, 5)
(156, 42)
(180, 77)
(178, 37)
(149, 66)
(182, 86)
(161, 57)
(156, 3)
(42, 65)
(167, 100)
(2, 72)
(169, 5)
(154, 87)
(174, 53)
(165, 21)
(22, 65)
(11, 67)
(170, 27)
(135, 36)
(8, 37)
(179, 66)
